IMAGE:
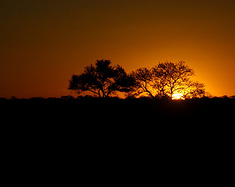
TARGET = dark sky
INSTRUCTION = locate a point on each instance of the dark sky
(44, 42)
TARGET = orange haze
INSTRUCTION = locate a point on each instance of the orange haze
(44, 42)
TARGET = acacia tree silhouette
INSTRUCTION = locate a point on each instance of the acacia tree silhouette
(102, 79)
(145, 81)
(166, 79)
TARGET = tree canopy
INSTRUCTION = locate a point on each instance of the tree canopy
(102, 79)
(163, 80)
(167, 79)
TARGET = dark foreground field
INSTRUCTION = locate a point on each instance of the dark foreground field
(56, 137)
(147, 111)
(83, 116)
(92, 121)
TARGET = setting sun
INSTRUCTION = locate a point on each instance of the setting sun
(177, 96)
(43, 43)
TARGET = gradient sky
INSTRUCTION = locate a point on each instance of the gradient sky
(44, 42)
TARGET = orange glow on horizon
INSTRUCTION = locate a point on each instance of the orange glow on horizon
(43, 43)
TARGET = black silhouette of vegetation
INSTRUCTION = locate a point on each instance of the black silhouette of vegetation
(161, 81)
(136, 108)
(43, 132)
(149, 93)
(166, 79)
(102, 79)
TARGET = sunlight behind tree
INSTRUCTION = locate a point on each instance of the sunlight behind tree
(178, 96)
(172, 80)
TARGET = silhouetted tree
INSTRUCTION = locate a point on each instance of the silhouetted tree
(166, 79)
(194, 90)
(174, 75)
(102, 79)
(144, 78)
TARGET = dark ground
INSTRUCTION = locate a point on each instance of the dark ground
(95, 139)
(121, 118)
(115, 111)
(118, 119)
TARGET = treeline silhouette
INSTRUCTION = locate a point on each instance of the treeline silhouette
(112, 100)
(91, 129)
(114, 106)
(149, 97)
(163, 80)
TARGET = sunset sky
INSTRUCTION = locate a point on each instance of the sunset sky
(44, 42)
